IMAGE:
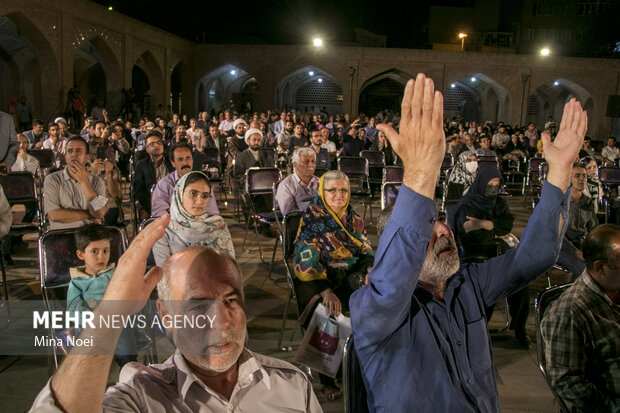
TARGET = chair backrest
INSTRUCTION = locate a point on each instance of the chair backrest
(393, 174)
(448, 161)
(291, 226)
(271, 153)
(609, 175)
(276, 207)
(44, 156)
(319, 172)
(355, 395)
(353, 166)
(261, 180)
(57, 254)
(375, 158)
(389, 193)
(19, 187)
(543, 169)
(210, 156)
(543, 302)
(534, 163)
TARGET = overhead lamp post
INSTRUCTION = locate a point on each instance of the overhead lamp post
(545, 51)
(462, 36)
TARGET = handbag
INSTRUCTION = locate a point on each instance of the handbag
(322, 347)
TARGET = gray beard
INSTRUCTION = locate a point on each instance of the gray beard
(436, 271)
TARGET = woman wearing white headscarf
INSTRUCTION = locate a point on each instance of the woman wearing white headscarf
(190, 224)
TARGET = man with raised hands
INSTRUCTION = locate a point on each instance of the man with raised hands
(420, 325)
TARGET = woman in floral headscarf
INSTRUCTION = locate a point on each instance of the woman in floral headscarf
(332, 254)
(190, 224)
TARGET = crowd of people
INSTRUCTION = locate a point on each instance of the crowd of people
(407, 328)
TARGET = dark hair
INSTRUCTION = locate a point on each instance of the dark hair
(597, 246)
(153, 132)
(177, 146)
(49, 125)
(196, 176)
(91, 233)
(37, 122)
(78, 139)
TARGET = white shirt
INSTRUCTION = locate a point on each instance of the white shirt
(611, 153)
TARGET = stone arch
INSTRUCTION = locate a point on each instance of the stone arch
(307, 88)
(383, 91)
(549, 98)
(178, 79)
(155, 95)
(32, 65)
(224, 88)
(477, 97)
(97, 73)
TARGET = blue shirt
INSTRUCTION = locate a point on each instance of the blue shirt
(423, 355)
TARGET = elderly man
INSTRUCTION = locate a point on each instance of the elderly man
(182, 160)
(149, 171)
(420, 325)
(212, 370)
(582, 328)
(485, 147)
(297, 190)
(251, 157)
(73, 196)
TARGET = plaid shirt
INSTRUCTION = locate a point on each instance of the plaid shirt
(581, 331)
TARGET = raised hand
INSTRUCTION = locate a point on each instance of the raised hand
(561, 153)
(421, 143)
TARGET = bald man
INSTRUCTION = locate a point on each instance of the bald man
(211, 371)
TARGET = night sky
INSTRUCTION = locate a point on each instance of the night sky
(286, 22)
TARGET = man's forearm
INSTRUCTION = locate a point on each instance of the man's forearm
(559, 176)
(89, 192)
(66, 216)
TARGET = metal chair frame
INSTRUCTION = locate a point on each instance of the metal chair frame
(356, 169)
(610, 185)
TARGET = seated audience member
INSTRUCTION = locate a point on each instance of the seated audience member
(419, 325)
(226, 377)
(180, 136)
(149, 171)
(63, 127)
(381, 144)
(56, 143)
(298, 139)
(36, 135)
(73, 196)
(481, 223)
(352, 142)
(462, 175)
(89, 282)
(594, 188)
(485, 147)
(24, 161)
(216, 140)
(328, 144)
(299, 188)
(196, 135)
(610, 152)
(227, 123)
(8, 143)
(323, 159)
(332, 254)
(251, 157)
(6, 217)
(500, 139)
(111, 175)
(581, 329)
(587, 149)
(468, 144)
(182, 161)
(190, 222)
(581, 220)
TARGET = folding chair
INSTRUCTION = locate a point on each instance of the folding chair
(289, 234)
(279, 217)
(213, 167)
(488, 160)
(354, 391)
(258, 196)
(393, 174)
(357, 170)
(446, 164)
(19, 188)
(376, 164)
(610, 179)
(543, 302)
(56, 255)
(389, 193)
(531, 174)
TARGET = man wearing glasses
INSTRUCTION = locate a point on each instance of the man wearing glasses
(149, 171)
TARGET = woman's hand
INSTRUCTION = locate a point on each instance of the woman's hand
(474, 224)
(331, 302)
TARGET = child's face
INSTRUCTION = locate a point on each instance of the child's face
(95, 256)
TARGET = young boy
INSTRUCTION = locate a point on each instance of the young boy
(89, 282)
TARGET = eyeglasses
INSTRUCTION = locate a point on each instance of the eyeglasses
(199, 195)
(342, 191)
